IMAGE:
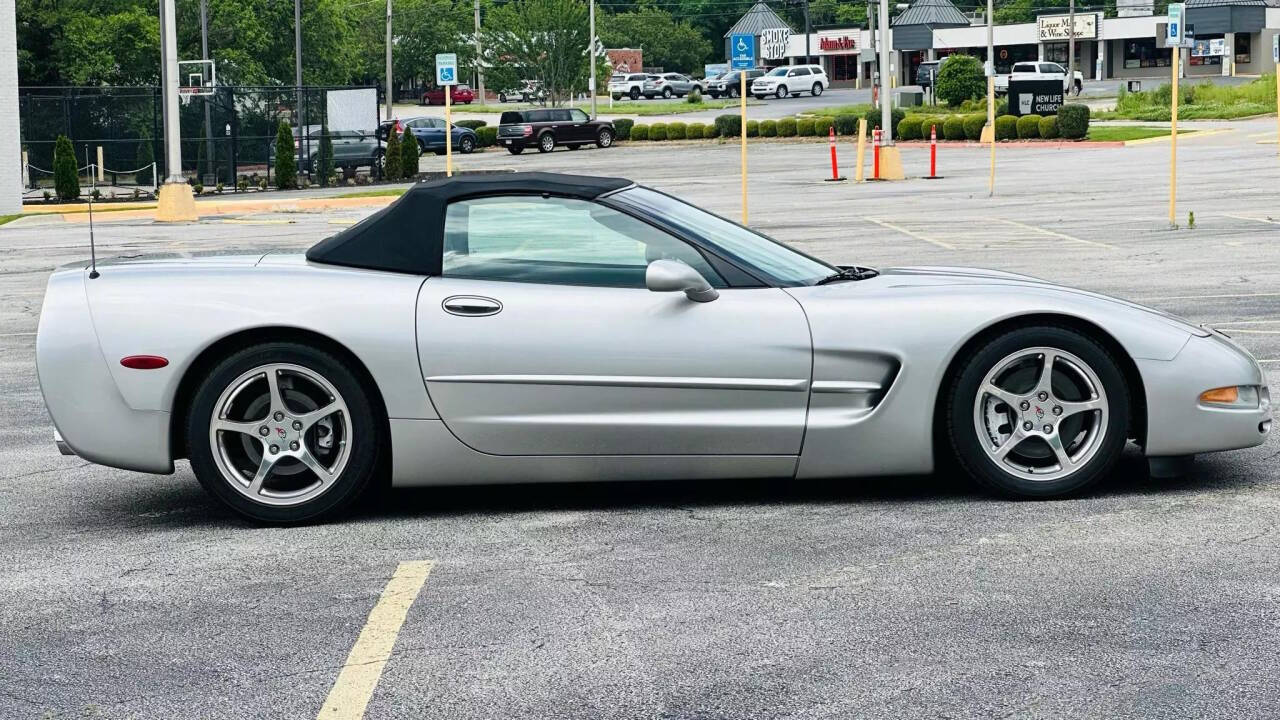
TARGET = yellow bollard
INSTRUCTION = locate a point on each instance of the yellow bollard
(862, 148)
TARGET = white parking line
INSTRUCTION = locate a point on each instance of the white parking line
(1253, 219)
(908, 233)
(1054, 233)
(21, 334)
(1206, 297)
(1249, 332)
(355, 684)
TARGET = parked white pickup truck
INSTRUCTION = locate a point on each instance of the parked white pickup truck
(1040, 71)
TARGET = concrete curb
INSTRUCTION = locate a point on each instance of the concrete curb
(234, 207)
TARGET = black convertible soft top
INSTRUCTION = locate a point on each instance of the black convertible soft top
(408, 235)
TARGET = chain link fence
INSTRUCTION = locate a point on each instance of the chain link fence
(227, 137)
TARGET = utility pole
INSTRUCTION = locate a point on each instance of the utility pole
(387, 89)
(991, 94)
(176, 203)
(297, 83)
(591, 55)
(886, 113)
(871, 24)
(808, 30)
(479, 53)
(11, 155)
(204, 55)
(1071, 46)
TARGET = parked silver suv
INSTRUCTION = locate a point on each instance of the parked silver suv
(668, 85)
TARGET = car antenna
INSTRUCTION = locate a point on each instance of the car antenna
(93, 252)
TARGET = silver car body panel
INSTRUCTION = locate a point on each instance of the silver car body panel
(569, 383)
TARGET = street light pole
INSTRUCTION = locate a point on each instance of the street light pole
(175, 202)
(808, 30)
(387, 89)
(886, 112)
(479, 53)
(591, 55)
(1071, 45)
(204, 55)
(991, 93)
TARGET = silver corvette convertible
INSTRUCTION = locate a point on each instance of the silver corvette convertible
(537, 327)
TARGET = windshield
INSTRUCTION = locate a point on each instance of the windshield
(780, 263)
(779, 72)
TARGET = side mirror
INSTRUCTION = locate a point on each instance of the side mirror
(675, 276)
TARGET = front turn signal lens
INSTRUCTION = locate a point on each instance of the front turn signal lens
(1237, 396)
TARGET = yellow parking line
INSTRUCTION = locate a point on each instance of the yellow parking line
(908, 233)
(1054, 233)
(1254, 219)
(1183, 135)
(355, 684)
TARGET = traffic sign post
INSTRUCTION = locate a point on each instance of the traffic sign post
(447, 77)
(742, 56)
(1174, 34)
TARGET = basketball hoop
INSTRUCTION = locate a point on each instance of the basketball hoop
(196, 78)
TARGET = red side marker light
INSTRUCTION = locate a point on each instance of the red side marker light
(144, 362)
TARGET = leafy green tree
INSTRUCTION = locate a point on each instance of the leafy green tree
(409, 157)
(391, 167)
(326, 155)
(545, 37)
(672, 44)
(66, 178)
(960, 78)
(145, 156)
(286, 163)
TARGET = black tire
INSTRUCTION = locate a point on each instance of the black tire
(466, 145)
(733, 92)
(962, 396)
(605, 138)
(616, 96)
(379, 165)
(546, 142)
(635, 93)
(817, 89)
(573, 147)
(515, 149)
(364, 446)
(666, 93)
(502, 97)
(781, 92)
(759, 97)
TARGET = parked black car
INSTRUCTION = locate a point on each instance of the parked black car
(549, 127)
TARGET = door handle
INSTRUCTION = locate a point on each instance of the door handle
(471, 306)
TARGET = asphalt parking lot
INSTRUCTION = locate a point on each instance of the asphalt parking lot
(131, 596)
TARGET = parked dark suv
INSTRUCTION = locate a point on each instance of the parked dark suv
(546, 128)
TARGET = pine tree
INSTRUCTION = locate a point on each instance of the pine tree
(409, 157)
(286, 163)
(391, 171)
(66, 176)
(326, 156)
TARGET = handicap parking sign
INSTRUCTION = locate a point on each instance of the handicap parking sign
(447, 69)
(742, 51)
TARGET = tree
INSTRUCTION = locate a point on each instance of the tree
(391, 166)
(960, 78)
(548, 38)
(286, 163)
(409, 157)
(145, 157)
(66, 178)
(326, 155)
(668, 43)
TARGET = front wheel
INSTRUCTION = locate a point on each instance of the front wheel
(283, 432)
(781, 92)
(1041, 411)
(635, 93)
(733, 92)
(616, 96)
(546, 143)
(467, 145)
(379, 163)
(605, 138)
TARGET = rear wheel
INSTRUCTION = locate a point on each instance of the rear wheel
(515, 149)
(502, 97)
(666, 93)
(546, 142)
(1041, 411)
(817, 89)
(282, 432)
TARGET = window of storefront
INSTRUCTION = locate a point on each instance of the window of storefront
(1007, 56)
(1207, 50)
(1057, 52)
(1243, 54)
(842, 67)
(1144, 53)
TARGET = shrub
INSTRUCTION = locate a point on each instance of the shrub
(486, 136)
(768, 128)
(953, 128)
(804, 127)
(909, 128)
(753, 128)
(658, 131)
(677, 130)
(973, 125)
(1049, 126)
(695, 131)
(847, 124)
(473, 124)
(1073, 121)
(786, 127)
(1028, 127)
(928, 123)
(822, 125)
(639, 132)
(694, 97)
(1006, 127)
(960, 78)
(409, 157)
(711, 131)
(286, 163)
(622, 128)
(729, 125)
(326, 155)
(874, 117)
(66, 175)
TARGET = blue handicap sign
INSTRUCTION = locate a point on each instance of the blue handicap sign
(446, 74)
(742, 51)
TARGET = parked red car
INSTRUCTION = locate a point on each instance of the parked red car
(461, 94)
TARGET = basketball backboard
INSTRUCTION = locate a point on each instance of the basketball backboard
(196, 78)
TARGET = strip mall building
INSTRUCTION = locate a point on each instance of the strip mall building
(1232, 37)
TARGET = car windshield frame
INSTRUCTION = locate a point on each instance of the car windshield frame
(778, 71)
(769, 260)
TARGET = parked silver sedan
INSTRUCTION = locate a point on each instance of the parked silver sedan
(536, 327)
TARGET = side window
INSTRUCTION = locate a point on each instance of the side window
(529, 238)
(802, 71)
(539, 116)
(577, 115)
(559, 115)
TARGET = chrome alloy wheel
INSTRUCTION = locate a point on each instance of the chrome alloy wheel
(280, 434)
(1041, 414)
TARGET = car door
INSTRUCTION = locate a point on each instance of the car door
(580, 128)
(540, 338)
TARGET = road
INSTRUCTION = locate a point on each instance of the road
(130, 596)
